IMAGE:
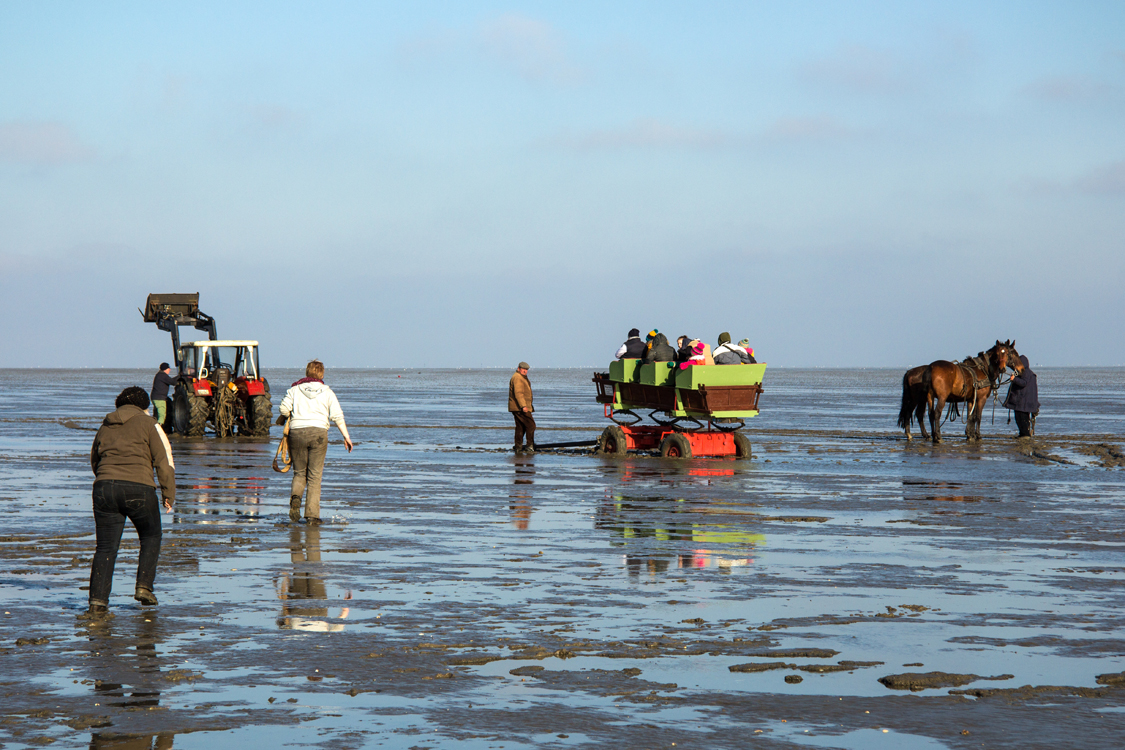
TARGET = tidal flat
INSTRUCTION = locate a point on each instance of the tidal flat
(844, 588)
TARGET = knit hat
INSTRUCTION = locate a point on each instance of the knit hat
(523, 366)
(634, 332)
(744, 343)
(699, 348)
(724, 338)
(652, 334)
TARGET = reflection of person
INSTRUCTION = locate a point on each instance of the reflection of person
(300, 590)
(521, 407)
(128, 446)
(633, 347)
(159, 394)
(310, 405)
(1023, 397)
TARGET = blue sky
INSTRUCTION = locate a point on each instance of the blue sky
(465, 184)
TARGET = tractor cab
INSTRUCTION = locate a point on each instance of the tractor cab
(221, 384)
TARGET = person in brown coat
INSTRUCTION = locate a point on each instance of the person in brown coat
(128, 447)
(519, 404)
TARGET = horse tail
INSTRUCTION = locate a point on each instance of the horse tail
(906, 412)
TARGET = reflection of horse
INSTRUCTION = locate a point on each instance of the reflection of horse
(971, 382)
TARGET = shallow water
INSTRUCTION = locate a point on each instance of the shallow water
(440, 550)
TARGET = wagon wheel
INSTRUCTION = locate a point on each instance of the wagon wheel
(675, 446)
(741, 446)
(613, 441)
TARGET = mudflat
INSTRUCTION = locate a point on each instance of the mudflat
(843, 588)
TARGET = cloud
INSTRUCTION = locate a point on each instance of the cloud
(1109, 179)
(41, 143)
(858, 69)
(649, 133)
(273, 115)
(532, 48)
(820, 128)
(1066, 88)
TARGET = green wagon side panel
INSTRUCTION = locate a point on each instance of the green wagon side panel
(624, 370)
(658, 373)
(697, 375)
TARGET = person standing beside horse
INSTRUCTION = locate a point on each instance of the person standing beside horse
(1023, 397)
(310, 405)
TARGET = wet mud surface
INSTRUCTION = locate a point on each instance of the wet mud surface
(844, 588)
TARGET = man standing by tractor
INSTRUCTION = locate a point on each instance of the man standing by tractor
(159, 393)
(519, 404)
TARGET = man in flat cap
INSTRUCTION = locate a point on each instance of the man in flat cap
(519, 404)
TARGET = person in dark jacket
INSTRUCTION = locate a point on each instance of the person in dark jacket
(128, 446)
(684, 352)
(159, 393)
(1023, 397)
(659, 351)
(633, 348)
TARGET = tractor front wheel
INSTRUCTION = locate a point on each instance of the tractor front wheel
(260, 414)
(741, 446)
(675, 446)
(189, 413)
(613, 441)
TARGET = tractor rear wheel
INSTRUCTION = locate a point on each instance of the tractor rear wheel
(260, 415)
(189, 413)
(613, 442)
(675, 446)
(741, 446)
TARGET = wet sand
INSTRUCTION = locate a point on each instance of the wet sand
(844, 588)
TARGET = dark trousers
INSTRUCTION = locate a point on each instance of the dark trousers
(114, 501)
(524, 423)
(1023, 421)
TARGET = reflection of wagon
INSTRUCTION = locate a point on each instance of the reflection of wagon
(698, 410)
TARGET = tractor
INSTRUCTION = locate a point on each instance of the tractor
(220, 382)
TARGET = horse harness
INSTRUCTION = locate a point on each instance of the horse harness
(972, 374)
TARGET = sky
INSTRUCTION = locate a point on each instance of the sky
(465, 184)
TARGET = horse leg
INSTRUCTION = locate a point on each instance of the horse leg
(935, 418)
(972, 426)
(920, 414)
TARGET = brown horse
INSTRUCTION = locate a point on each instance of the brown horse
(971, 382)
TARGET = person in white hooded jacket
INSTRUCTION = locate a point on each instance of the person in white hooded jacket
(310, 405)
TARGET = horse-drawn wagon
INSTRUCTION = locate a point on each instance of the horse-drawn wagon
(698, 410)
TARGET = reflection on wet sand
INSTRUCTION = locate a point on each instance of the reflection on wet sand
(299, 589)
(520, 505)
(101, 741)
(666, 520)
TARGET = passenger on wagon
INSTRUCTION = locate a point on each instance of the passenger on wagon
(727, 353)
(697, 356)
(683, 350)
(633, 348)
(659, 351)
(745, 344)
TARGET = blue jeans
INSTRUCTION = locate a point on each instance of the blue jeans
(114, 501)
